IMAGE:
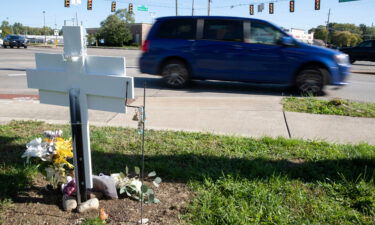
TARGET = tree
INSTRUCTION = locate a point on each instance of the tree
(115, 29)
(346, 38)
(18, 28)
(125, 16)
(320, 33)
(6, 28)
(91, 39)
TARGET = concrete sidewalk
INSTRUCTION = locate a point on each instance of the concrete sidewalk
(254, 116)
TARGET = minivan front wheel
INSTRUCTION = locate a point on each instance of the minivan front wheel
(175, 74)
(310, 81)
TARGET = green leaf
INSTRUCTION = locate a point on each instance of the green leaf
(157, 180)
(144, 188)
(122, 190)
(150, 192)
(126, 170)
(151, 198)
(152, 174)
(122, 175)
(137, 170)
(156, 200)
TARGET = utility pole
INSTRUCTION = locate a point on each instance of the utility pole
(372, 29)
(327, 27)
(76, 19)
(44, 27)
(209, 7)
(192, 9)
(176, 7)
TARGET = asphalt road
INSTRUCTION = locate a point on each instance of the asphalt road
(14, 62)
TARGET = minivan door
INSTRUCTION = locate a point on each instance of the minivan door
(218, 49)
(263, 58)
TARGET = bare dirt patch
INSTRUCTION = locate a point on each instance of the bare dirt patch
(41, 206)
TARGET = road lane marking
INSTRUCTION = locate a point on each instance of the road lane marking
(17, 75)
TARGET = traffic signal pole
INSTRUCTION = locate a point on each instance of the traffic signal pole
(192, 8)
(327, 27)
(209, 7)
(176, 7)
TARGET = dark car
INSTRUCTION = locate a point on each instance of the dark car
(14, 41)
(237, 49)
(365, 51)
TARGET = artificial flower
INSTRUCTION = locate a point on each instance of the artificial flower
(35, 148)
(52, 134)
(64, 148)
(59, 160)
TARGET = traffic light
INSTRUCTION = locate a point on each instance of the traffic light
(130, 9)
(271, 8)
(251, 9)
(67, 3)
(291, 6)
(113, 8)
(89, 4)
(317, 4)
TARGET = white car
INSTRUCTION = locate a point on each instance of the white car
(1, 41)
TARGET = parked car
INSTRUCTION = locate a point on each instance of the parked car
(14, 41)
(237, 49)
(365, 51)
(1, 41)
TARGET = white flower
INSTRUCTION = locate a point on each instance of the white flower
(119, 180)
(35, 148)
(137, 183)
(52, 134)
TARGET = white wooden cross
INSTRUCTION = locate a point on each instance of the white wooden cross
(101, 81)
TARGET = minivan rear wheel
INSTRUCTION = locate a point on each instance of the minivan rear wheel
(310, 81)
(175, 74)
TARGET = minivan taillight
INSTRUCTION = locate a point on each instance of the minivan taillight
(146, 46)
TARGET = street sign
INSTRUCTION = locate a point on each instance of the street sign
(142, 8)
(56, 32)
(347, 0)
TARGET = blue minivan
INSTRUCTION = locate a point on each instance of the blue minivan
(237, 49)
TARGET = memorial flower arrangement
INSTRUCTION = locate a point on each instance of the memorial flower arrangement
(52, 153)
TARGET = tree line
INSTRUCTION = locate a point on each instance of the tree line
(114, 30)
(343, 34)
(18, 28)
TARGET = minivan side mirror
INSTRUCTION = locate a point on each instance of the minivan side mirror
(287, 41)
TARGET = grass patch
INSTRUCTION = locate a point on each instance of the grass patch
(93, 221)
(236, 180)
(332, 107)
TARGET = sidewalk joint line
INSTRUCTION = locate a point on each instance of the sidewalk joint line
(287, 126)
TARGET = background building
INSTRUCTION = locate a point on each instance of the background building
(302, 35)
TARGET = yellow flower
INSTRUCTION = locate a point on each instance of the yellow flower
(59, 160)
(64, 148)
(63, 151)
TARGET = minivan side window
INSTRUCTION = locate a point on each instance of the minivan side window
(177, 29)
(223, 30)
(262, 33)
(366, 44)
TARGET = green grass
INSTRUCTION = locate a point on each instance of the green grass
(93, 221)
(332, 107)
(235, 180)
